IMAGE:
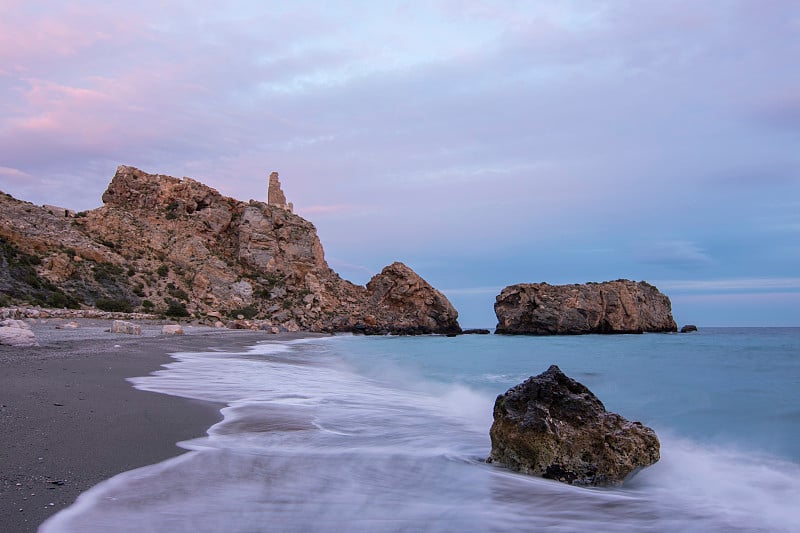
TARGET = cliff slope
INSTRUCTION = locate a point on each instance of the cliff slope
(620, 306)
(177, 246)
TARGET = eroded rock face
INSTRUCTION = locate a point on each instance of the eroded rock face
(162, 243)
(554, 427)
(620, 306)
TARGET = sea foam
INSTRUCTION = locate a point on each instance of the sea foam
(323, 435)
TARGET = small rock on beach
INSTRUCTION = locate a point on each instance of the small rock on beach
(16, 333)
(129, 328)
(171, 329)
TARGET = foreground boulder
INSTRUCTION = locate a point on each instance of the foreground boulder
(620, 306)
(554, 427)
(16, 333)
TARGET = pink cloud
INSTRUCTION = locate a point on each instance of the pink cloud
(44, 92)
(113, 115)
(44, 122)
(60, 34)
(15, 176)
(74, 113)
(56, 109)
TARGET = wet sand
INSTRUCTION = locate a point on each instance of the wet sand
(69, 419)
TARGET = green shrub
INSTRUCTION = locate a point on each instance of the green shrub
(162, 271)
(275, 278)
(148, 305)
(180, 294)
(118, 306)
(172, 209)
(60, 300)
(247, 312)
(32, 278)
(107, 272)
(176, 309)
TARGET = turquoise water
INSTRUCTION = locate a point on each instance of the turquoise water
(391, 433)
(723, 386)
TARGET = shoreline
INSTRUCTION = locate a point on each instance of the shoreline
(69, 419)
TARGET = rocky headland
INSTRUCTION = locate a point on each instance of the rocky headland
(620, 306)
(161, 245)
(551, 426)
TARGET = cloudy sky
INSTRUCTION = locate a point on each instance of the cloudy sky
(482, 143)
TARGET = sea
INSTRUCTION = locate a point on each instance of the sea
(372, 434)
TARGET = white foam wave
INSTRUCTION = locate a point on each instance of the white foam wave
(739, 488)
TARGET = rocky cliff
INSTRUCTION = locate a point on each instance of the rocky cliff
(176, 246)
(620, 306)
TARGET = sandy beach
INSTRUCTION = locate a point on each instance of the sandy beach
(69, 419)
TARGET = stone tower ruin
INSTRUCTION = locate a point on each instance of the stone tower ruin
(275, 196)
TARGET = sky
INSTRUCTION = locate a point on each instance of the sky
(481, 143)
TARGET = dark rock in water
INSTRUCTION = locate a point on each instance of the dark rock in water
(554, 427)
(476, 331)
(688, 327)
(620, 306)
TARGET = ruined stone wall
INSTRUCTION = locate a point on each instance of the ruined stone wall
(275, 196)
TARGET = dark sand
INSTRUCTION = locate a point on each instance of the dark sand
(69, 419)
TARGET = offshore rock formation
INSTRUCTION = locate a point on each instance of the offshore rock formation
(398, 296)
(176, 246)
(554, 427)
(620, 306)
